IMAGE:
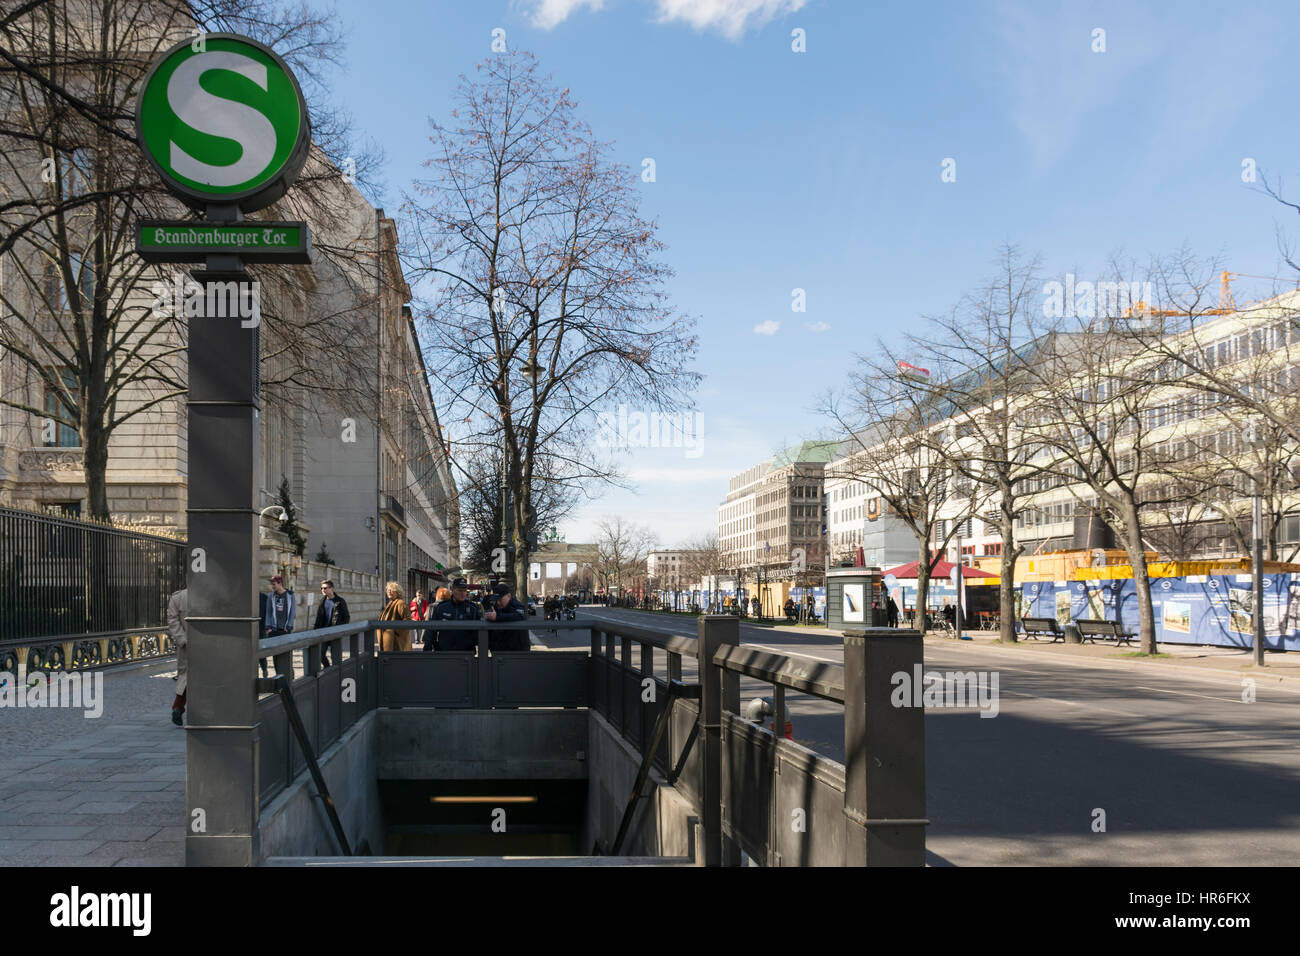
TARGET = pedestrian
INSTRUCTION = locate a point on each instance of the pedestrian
(791, 611)
(419, 606)
(456, 607)
(394, 639)
(442, 595)
(178, 630)
(277, 613)
(754, 603)
(891, 610)
(332, 612)
(279, 609)
(506, 609)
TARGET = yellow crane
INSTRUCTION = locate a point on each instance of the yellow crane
(1227, 304)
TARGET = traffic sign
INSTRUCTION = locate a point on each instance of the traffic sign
(160, 241)
(223, 121)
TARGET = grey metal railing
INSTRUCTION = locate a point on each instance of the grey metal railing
(755, 790)
(359, 679)
(782, 803)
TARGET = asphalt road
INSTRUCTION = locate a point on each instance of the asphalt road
(1185, 772)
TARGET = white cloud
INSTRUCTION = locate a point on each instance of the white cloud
(548, 14)
(817, 326)
(731, 18)
(767, 328)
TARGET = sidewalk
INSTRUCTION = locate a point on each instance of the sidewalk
(96, 792)
(1232, 661)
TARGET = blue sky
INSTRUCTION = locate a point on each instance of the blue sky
(821, 170)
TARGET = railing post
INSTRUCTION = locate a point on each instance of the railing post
(715, 630)
(596, 671)
(647, 669)
(484, 665)
(884, 749)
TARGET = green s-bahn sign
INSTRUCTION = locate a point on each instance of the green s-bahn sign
(223, 121)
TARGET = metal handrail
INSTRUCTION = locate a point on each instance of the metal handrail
(673, 643)
(279, 684)
(796, 671)
(298, 640)
(676, 689)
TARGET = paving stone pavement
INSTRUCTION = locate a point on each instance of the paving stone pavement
(105, 791)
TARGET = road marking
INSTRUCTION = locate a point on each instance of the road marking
(777, 650)
(1186, 693)
(1072, 703)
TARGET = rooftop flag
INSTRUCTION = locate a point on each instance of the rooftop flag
(913, 372)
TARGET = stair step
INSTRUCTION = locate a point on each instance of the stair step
(479, 861)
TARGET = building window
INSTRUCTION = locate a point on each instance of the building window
(64, 435)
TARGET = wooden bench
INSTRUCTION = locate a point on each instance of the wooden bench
(1033, 626)
(1090, 629)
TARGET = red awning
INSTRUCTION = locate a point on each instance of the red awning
(940, 569)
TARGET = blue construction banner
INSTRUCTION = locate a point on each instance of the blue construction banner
(1216, 609)
(819, 599)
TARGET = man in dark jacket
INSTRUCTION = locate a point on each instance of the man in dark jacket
(505, 609)
(458, 607)
(333, 611)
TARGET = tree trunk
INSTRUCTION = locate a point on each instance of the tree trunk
(1007, 592)
(922, 585)
(94, 443)
(1141, 581)
(520, 536)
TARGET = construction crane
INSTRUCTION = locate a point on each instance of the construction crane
(1227, 304)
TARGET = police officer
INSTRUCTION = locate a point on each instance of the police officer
(505, 608)
(458, 607)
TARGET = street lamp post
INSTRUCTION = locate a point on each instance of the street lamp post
(1257, 552)
(1257, 572)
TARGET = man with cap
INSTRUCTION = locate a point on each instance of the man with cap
(458, 607)
(505, 609)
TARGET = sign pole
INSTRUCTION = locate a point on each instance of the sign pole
(223, 741)
(178, 101)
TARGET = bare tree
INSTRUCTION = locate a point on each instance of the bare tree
(621, 550)
(543, 269)
(77, 316)
(701, 557)
(979, 356)
(480, 501)
(1098, 431)
(889, 451)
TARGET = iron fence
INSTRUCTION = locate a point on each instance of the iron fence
(64, 578)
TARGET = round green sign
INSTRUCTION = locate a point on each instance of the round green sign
(223, 121)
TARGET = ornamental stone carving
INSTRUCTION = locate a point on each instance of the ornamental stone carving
(54, 461)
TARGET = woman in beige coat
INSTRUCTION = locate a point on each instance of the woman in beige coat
(396, 609)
